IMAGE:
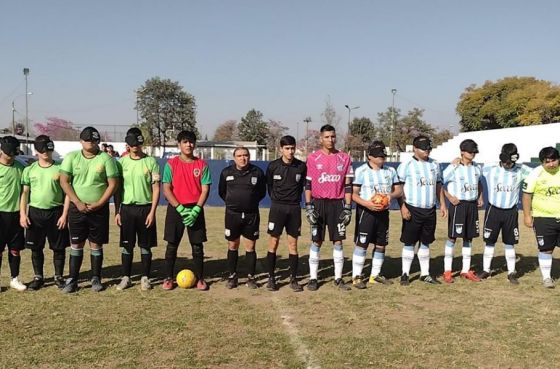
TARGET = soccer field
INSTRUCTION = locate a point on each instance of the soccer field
(491, 324)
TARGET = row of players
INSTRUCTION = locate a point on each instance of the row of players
(67, 203)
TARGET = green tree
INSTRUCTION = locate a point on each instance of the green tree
(362, 132)
(253, 127)
(165, 109)
(275, 132)
(227, 131)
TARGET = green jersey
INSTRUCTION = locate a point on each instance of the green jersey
(138, 175)
(10, 186)
(89, 176)
(545, 188)
(44, 185)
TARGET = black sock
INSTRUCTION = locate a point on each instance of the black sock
(170, 257)
(146, 257)
(251, 262)
(76, 257)
(126, 260)
(271, 258)
(38, 260)
(232, 256)
(96, 258)
(198, 258)
(14, 261)
(294, 259)
(59, 257)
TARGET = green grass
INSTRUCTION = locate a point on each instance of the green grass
(463, 325)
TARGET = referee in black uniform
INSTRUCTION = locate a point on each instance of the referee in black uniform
(285, 178)
(242, 186)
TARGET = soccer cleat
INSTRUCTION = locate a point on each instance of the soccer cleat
(512, 278)
(339, 283)
(36, 284)
(548, 283)
(145, 284)
(96, 285)
(405, 280)
(232, 281)
(251, 283)
(59, 281)
(71, 286)
(17, 285)
(125, 283)
(359, 283)
(429, 279)
(312, 285)
(271, 284)
(201, 285)
(471, 276)
(379, 279)
(484, 275)
(167, 284)
(448, 276)
(295, 286)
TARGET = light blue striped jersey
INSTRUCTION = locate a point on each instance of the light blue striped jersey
(372, 181)
(504, 184)
(420, 179)
(462, 180)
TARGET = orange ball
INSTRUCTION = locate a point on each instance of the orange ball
(380, 199)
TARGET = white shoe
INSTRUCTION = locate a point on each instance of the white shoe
(145, 284)
(17, 285)
(125, 283)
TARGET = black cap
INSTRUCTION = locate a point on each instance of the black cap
(43, 143)
(422, 143)
(509, 153)
(469, 145)
(90, 134)
(10, 145)
(134, 138)
(377, 149)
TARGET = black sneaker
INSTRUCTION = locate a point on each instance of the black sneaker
(295, 286)
(251, 283)
(429, 279)
(339, 283)
(71, 286)
(512, 278)
(312, 285)
(232, 282)
(59, 281)
(405, 280)
(271, 284)
(359, 283)
(36, 284)
(96, 285)
(484, 275)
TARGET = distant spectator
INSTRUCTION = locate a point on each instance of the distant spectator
(104, 147)
(111, 151)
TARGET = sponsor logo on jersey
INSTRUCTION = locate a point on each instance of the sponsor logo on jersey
(253, 180)
(319, 166)
(196, 172)
(324, 177)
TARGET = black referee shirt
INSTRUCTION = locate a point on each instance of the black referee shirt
(242, 190)
(285, 181)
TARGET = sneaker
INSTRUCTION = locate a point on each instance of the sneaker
(359, 283)
(96, 285)
(429, 279)
(405, 280)
(512, 278)
(36, 284)
(125, 283)
(17, 285)
(448, 276)
(71, 286)
(379, 279)
(295, 286)
(339, 283)
(167, 284)
(471, 276)
(312, 285)
(232, 282)
(201, 285)
(271, 284)
(484, 275)
(251, 283)
(59, 281)
(548, 283)
(145, 284)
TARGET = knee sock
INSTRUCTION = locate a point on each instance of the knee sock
(314, 261)
(251, 257)
(377, 262)
(424, 259)
(466, 252)
(126, 258)
(358, 261)
(14, 259)
(545, 263)
(76, 258)
(232, 257)
(146, 256)
(338, 260)
(487, 257)
(271, 263)
(170, 258)
(407, 257)
(448, 256)
(38, 260)
(59, 257)
(198, 258)
(510, 258)
(96, 257)
(294, 260)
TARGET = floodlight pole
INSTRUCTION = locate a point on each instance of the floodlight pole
(307, 121)
(393, 91)
(349, 122)
(26, 73)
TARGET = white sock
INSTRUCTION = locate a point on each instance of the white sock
(510, 258)
(407, 257)
(313, 261)
(358, 261)
(487, 258)
(545, 263)
(466, 251)
(424, 259)
(376, 263)
(448, 256)
(338, 260)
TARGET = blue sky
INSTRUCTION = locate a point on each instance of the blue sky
(284, 58)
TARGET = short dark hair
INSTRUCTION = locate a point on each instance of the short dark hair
(239, 148)
(548, 152)
(186, 136)
(287, 140)
(327, 128)
(42, 138)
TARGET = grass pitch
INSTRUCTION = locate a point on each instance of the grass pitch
(464, 325)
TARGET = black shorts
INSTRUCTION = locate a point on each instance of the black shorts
(133, 225)
(284, 216)
(174, 228)
(505, 220)
(43, 226)
(421, 226)
(11, 232)
(547, 231)
(92, 226)
(239, 224)
(329, 211)
(371, 227)
(462, 220)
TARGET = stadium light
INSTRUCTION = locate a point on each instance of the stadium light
(349, 113)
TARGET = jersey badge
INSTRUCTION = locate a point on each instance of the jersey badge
(253, 180)
(319, 166)
(277, 177)
(229, 178)
(298, 177)
(340, 167)
(196, 172)
(56, 176)
(100, 168)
